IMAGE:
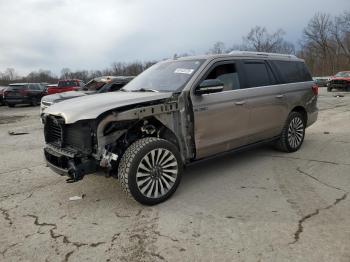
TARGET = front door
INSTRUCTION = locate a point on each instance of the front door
(221, 119)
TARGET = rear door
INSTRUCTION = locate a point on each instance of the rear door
(266, 102)
(220, 119)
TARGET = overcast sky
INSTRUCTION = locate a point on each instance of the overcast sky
(52, 34)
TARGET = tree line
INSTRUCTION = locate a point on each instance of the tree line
(324, 45)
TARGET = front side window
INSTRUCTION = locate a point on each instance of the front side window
(227, 74)
(257, 74)
(168, 76)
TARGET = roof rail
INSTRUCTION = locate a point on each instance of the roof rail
(260, 54)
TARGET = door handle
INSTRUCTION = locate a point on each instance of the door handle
(279, 96)
(240, 103)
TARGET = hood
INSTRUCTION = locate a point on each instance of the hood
(340, 78)
(58, 97)
(90, 107)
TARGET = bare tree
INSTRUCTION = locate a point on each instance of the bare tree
(218, 48)
(260, 40)
(65, 73)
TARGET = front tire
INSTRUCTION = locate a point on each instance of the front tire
(150, 170)
(329, 89)
(293, 133)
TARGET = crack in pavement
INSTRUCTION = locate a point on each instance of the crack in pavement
(310, 160)
(32, 190)
(65, 239)
(6, 215)
(316, 179)
(7, 248)
(316, 212)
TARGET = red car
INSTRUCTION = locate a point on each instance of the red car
(340, 81)
(65, 85)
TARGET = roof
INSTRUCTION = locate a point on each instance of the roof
(22, 84)
(246, 54)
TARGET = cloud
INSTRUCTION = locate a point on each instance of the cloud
(53, 34)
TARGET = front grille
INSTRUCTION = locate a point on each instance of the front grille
(339, 82)
(54, 130)
(74, 136)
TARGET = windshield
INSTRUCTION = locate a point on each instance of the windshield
(169, 76)
(67, 83)
(343, 74)
(94, 86)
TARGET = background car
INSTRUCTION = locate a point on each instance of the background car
(97, 85)
(65, 85)
(2, 88)
(47, 86)
(23, 93)
(340, 81)
(321, 81)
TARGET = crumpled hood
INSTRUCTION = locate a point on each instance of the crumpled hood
(58, 97)
(91, 106)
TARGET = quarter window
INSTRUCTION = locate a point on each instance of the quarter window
(293, 71)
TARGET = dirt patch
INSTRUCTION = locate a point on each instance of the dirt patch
(10, 119)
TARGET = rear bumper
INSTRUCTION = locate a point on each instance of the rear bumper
(19, 100)
(311, 118)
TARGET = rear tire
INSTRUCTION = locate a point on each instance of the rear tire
(293, 133)
(150, 170)
(11, 105)
(34, 101)
(329, 89)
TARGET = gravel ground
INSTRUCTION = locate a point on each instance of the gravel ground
(259, 205)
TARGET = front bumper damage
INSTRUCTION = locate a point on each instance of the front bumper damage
(69, 163)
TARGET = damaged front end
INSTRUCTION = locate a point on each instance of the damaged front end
(69, 148)
(92, 145)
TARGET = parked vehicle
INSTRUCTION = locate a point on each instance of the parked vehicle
(178, 112)
(321, 81)
(47, 86)
(23, 93)
(65, 85)
(340, 81)
(97, 85)
(2, 88)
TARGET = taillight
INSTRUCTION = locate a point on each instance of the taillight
(315, 89)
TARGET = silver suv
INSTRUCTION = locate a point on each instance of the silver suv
(177, 112)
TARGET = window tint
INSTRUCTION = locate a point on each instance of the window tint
(293, 71)
(227, 74)
(16, 87)
(257, 74)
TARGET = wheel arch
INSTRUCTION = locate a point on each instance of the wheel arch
(302, 111)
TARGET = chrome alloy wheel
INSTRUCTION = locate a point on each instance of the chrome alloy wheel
(295, 132)
(157, 173)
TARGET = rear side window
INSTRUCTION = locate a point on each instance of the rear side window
(293, 71)
(258, 74)
(16, 87)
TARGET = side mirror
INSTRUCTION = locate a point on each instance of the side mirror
(209, 86)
